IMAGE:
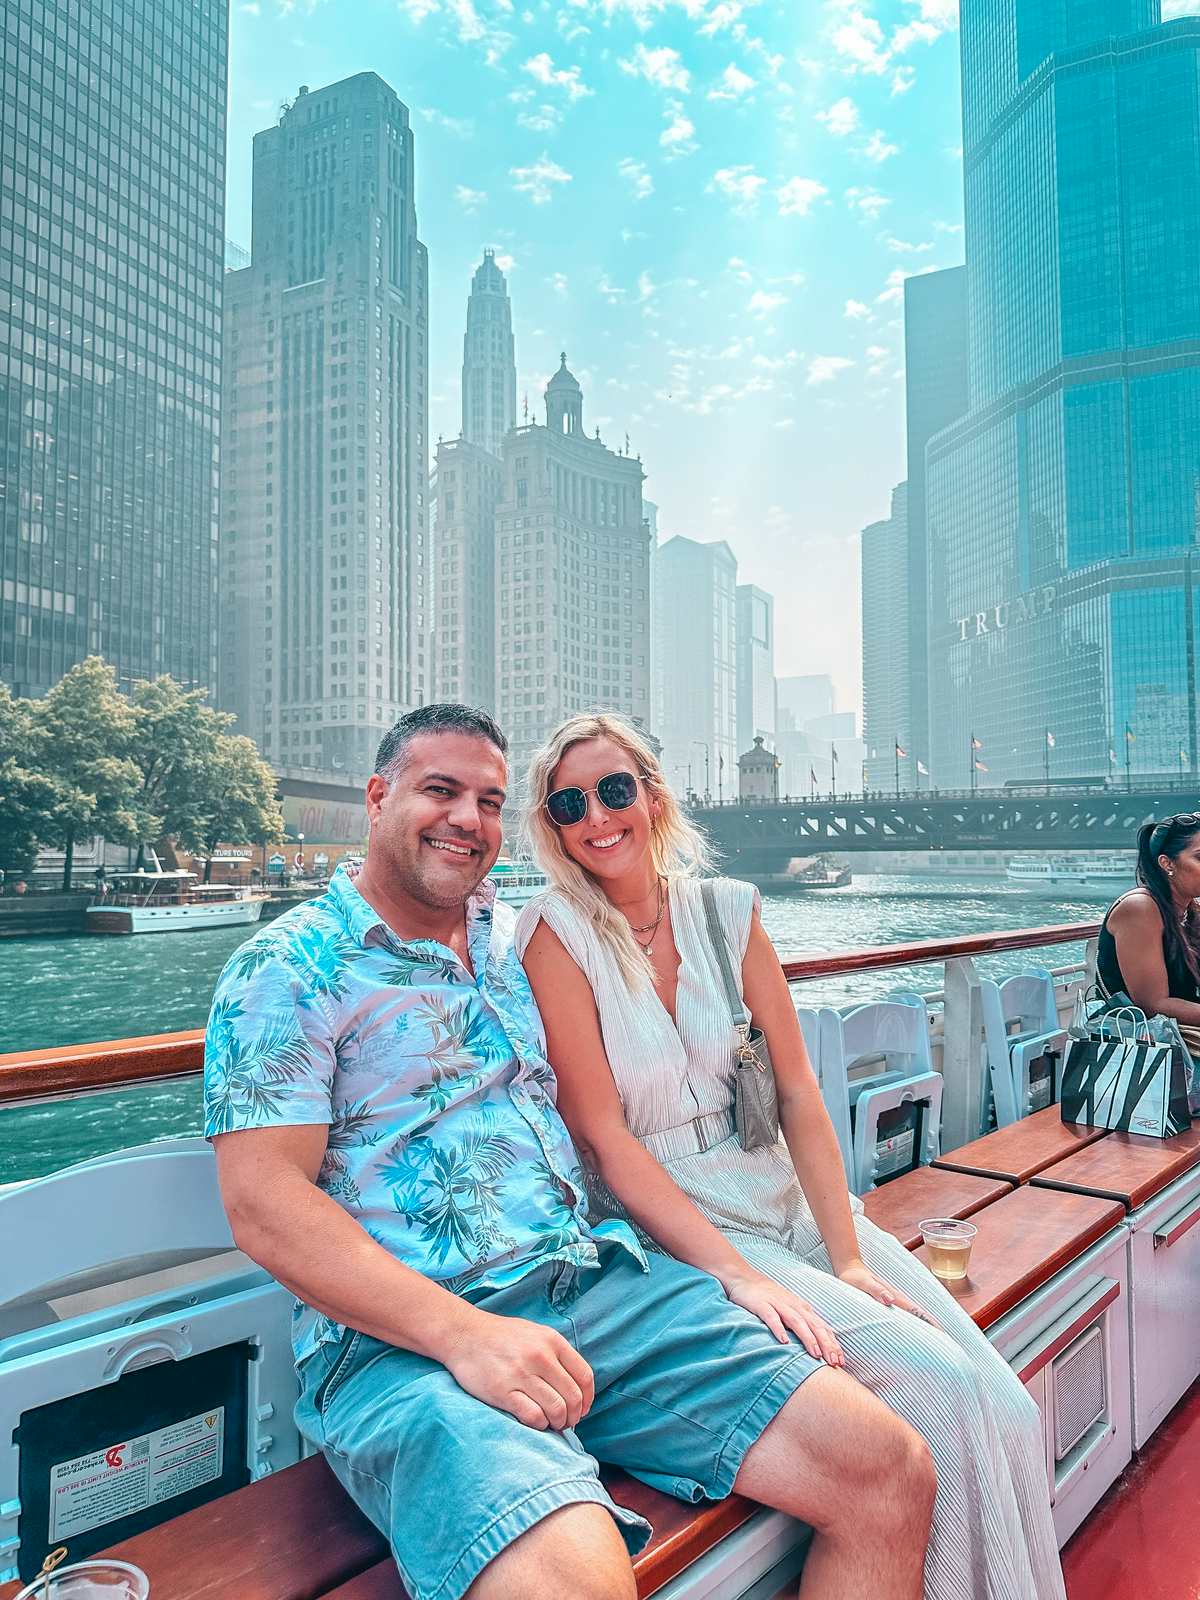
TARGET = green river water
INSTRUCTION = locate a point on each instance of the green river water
(75, 990)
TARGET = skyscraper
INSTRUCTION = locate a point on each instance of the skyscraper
(696, 663)
(110, 283)
(755, 634)
(464, 574)
(489, 370)
(323, 499)
(886, 611)
(935, 395)
(572, 576)
(1061, 509)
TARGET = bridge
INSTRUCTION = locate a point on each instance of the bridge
(757, 837)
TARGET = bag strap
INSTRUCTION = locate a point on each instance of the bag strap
(716, 934)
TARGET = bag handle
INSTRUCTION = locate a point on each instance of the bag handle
(716, 934)
(1133, 1012)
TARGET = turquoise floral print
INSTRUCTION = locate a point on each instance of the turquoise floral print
(443, 1141)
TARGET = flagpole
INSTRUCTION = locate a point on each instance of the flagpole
(896, 749)
(833, 771)
(1128, 744)
(1046, 760)
(974, 779)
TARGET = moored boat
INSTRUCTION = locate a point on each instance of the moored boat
(1081, 867)
(162, 901)
(517, 881)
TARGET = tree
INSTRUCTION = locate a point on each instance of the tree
(30, 800)
(234, 801)
(176, 749)
(83, 734)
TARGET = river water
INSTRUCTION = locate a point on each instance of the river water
(75, 990)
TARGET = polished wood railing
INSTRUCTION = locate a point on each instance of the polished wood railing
(116, 1063)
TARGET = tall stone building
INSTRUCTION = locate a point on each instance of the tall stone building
(464, 574)
(325, 565)
(112, 200)
(755, 634)
(572, 576)
(489, 370)
(886, 603)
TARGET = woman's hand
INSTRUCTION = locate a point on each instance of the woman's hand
(859, 1276)
(782, 1311)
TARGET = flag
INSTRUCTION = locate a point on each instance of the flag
(720, 763)
(900, 750)
(1130, 736)
(1049, 740)
(833, 754)
(812, 777)
(1183, 760)
(1112, 758)
(922, 769)
(976, 744)
(979, 767)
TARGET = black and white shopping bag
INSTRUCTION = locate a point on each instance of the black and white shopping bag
(1125, 1080)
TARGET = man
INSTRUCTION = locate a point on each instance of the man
(467, 1343)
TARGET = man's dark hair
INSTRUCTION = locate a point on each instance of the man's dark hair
(438, 718)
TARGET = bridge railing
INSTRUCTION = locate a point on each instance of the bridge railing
(1186, 787)
(32, 1076)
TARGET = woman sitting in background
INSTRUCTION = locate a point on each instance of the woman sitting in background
(1150, 938)
(641, 1040)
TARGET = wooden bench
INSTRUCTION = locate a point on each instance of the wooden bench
(1021, 1150)
(897, 1207)
(1127, 1167)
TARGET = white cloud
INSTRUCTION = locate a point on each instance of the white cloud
(878, 148)
(725, 13)
(542, 69)
(841, 117)
(904, 77)
(505, 261)
(957, 227)
(662, 66)
(784, 422)
(905, 247)
(858, 39)
(740, 270)
(734, 84)
(543, 119)
(761, 304)
(739, 184)
(678, 137)
(798, 195)
(558, 282)
(893, 291)
(636, 175)
(470, 199)
(647, 288)
(539, 179)
(856, 311)
(869, 201)
(824, 369)
(468, 25)
(418, 10)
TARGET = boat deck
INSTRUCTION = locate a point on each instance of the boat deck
(1140, 1541)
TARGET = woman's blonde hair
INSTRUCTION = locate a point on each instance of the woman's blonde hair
(677, 848)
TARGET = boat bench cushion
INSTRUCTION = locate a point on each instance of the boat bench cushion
(1023, 1239)
(297, 1535)
(1128, 1167)
(897, 1207)
(1022, 1149)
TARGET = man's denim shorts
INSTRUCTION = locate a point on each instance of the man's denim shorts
(685, 1384)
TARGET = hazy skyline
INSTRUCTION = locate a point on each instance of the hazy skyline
(710, 204)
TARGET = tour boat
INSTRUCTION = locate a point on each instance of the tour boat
(162, 901)
(517, 881)
(1077, 867)
(146, 1380)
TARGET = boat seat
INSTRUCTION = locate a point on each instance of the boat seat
(1022, 1149)
(1126, 1167)
(898, 1207)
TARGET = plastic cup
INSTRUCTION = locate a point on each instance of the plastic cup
(90, 1580)
(948, 1242)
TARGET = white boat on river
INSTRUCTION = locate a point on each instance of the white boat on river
(168, 902)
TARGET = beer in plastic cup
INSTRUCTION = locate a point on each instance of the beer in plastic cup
(90, 1580)
(948, 1242)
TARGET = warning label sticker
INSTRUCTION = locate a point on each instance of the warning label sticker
(133, 1474)
(896, 1153)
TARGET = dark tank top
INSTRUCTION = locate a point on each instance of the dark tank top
(1180, 983)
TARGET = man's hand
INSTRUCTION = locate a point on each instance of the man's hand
(524, 1369)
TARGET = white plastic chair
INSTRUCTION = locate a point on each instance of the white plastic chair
(95, 1227)
(1020, 1026)
(831, 1079)
(894, 1033)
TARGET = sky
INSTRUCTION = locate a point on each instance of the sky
(710, 205)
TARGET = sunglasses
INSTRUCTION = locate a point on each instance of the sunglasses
(616, 791)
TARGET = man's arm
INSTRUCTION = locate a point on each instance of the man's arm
(315, 1249)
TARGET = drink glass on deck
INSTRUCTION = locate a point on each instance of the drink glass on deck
(89, 1580)
(949, 1244)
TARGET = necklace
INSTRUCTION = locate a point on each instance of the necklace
(650, 927)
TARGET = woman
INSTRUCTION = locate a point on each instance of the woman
(641, 1040)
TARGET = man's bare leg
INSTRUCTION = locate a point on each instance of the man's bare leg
(576, 1551)
(838, 1459)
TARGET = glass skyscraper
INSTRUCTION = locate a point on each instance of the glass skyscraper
(112, 197)
(1062, 508)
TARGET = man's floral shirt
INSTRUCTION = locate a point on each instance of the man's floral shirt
(444, 1140)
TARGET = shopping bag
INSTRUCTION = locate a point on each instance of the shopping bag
(1120, 1076)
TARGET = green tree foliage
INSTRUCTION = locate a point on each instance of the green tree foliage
(83, 735)
(175, 748)
(28, 796)
(234, 801)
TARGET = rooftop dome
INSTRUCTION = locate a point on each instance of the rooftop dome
(564, 378)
